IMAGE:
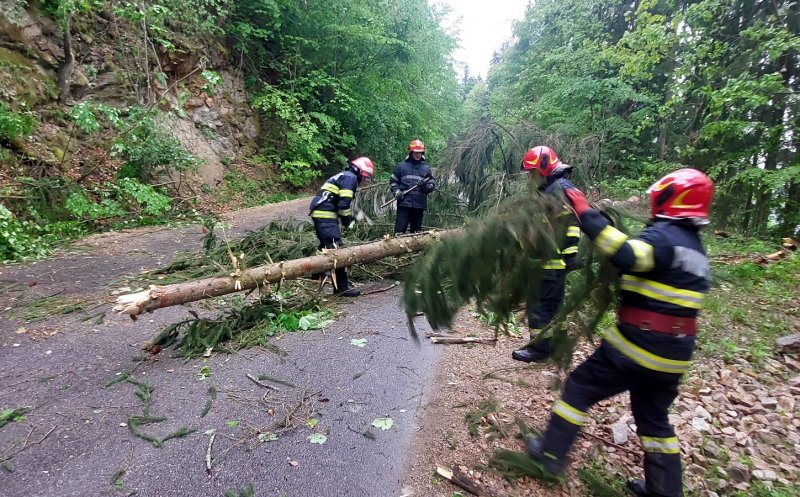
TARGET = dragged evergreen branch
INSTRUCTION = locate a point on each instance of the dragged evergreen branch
(498, 262)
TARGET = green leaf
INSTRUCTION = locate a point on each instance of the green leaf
(358, 342)
(233, 424)
(383, 423)
(312, 422)
(317, 438)
(267, 437)
(315, 321)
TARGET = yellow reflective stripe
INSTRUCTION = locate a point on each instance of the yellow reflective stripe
(610, 240)
(331, 188)
(570, 250)
(569, 413)
(574, 231)
(662, 292)
(346, 193)
(643, 252)
(324, 214)
(345, 212)
(669, 445)
(642, 357)
(554, 264)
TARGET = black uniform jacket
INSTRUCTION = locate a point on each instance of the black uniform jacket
(408, 174)
(664, 270)
(332, 201)
(568, 244)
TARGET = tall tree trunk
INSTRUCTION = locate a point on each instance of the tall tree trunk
(65, 71)
(790, 225)
(181, 293)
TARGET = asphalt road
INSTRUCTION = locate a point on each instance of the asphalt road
(74, 440)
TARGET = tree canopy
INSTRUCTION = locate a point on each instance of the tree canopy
(629, 90)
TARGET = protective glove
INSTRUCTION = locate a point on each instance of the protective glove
(425, 185)
(398, 195)
(578, 201)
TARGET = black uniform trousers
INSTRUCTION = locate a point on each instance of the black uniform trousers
(406, 216)
(330, 236)
(604, 374)
(543, 305)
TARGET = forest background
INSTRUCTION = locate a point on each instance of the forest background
(112, 113)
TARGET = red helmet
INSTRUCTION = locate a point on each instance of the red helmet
(416, 146)
(542, 159)
(685, 193)
(364, 166)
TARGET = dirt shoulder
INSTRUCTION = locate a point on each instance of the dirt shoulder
(739, 424)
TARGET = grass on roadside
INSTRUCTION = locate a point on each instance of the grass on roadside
(751, 304)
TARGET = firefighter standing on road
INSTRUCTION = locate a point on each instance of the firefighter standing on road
(552, 177)
(665, 276)
(332, 204)
(410, 184)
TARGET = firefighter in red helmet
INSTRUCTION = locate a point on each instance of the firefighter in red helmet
(664, 278)
(552, 176)
(410, 184)
(332, 205)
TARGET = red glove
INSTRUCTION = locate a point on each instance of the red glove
(578, 200)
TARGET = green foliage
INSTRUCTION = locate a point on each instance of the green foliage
(211, 80)
(347, 77)
(84, 115)
(383, 423)
(14, 124)
(513, 465)
(84, 118)
(298, 173)
(598, 482)
(150, 150)
(634, 88)
(248, 491)
(15, 415)
(763, 489)
(20, 239)
(637, 183)
(126, 198)
(244, 325)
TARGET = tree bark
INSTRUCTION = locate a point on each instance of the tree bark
(65, 72)
(181, 293)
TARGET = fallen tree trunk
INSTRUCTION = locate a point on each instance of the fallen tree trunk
(181, 293)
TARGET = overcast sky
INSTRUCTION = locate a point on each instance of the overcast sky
(484, 26)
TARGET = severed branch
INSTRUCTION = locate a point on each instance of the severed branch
(459, 479)
(261, 383)
(164, 296)
(455, 339)
(208, 455)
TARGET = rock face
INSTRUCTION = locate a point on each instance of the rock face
(789, 344)
(215, 125)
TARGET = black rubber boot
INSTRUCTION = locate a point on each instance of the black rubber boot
(349, 292)
(637, 488)
(538, 352)
(555, 467)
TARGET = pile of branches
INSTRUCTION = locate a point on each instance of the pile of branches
(497, 263)
(243, 325)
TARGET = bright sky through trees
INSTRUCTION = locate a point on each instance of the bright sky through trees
(483, 26)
